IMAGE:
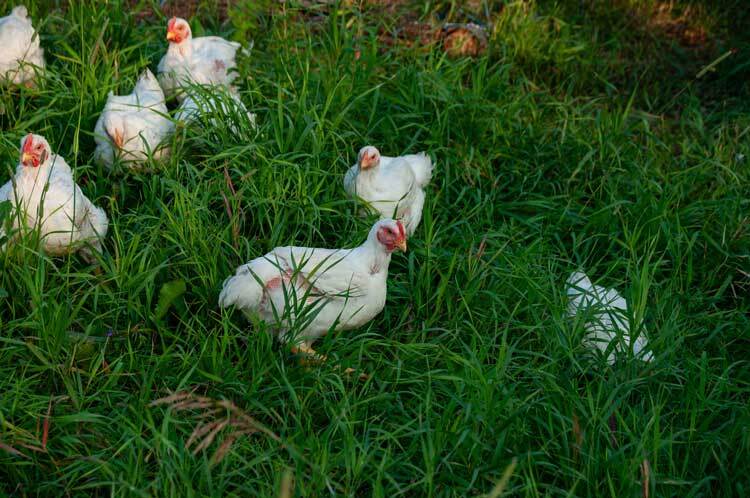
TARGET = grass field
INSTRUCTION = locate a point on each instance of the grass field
(608, 136)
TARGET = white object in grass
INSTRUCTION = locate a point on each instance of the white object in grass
(45, 197)
(391, 186)
(605, 316)
(305, 292)
(206, 60)
(21, 56)
(134, 127)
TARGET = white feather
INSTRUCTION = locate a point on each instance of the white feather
(421, 166)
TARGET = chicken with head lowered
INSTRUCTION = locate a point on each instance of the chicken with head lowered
(134, 127)
(21, 56)
(391, 186)
(206, 60)
(304, 292)
(45, 197)
(604, 315)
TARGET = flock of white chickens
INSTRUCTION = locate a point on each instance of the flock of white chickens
(302, 293)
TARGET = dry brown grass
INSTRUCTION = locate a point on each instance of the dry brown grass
(214, 416)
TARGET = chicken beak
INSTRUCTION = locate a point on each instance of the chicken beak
(118, 139)
(26, 157)
(402, 245)
(171, 36)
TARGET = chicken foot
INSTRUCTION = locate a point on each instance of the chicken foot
(308, 356)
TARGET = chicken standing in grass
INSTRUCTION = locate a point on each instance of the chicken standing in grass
(206, 60)
(134, 127)
(21, 56)
(392, 186)
(605, 316)
(46, 198)
(305, 292)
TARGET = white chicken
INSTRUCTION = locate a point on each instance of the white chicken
(212, 105)
(206, 60)
(605, 315)
(305, 292)
(134, 127)
(21, 56)
(46, 198)
(392, 186)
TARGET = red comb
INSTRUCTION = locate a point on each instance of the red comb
(28, 144)
(171, 23)
(401, 230)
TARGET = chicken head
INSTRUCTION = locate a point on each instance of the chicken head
(178, 30)
(368, 157)
(392, 235)
(34, 150)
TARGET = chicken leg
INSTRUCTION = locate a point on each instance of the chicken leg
(308, 356)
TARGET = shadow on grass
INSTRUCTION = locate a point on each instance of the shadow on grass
(661, 49)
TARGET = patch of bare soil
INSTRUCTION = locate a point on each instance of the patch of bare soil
(182, 8)
(681, 28)
(400, 24)
(666, 21)
(408, 33)
(404, 26)
(408, 30)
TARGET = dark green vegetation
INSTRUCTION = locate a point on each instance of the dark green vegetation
(581, 138)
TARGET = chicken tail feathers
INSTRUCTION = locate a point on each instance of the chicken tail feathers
(245, 290)
(99, 222)
(421, 165)
(241, 291)
(93, 231)
(414, 216)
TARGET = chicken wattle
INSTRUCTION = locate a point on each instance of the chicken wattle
(303, 293)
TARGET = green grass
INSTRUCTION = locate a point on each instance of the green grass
(581, 139)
